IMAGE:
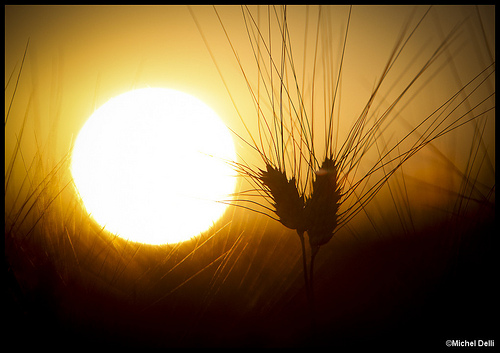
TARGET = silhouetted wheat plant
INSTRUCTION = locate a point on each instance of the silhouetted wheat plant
(316, 183)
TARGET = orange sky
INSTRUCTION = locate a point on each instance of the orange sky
(80, 56)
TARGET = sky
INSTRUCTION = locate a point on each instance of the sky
(81, 56)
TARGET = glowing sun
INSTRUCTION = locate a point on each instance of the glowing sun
(151, 164)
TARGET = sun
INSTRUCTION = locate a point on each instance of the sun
(152, 165)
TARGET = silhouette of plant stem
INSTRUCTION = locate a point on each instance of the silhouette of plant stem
(310, 201)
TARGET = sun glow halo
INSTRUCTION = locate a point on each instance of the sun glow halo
(150, 164)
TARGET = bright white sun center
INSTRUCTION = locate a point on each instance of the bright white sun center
(151, 164)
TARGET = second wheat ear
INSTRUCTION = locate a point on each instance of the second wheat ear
(322, 206)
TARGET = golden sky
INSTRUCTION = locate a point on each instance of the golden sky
(100, 51)
(81, 56)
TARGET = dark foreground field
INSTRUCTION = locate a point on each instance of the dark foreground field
(405, 291)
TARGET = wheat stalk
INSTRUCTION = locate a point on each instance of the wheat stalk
(326, 197)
